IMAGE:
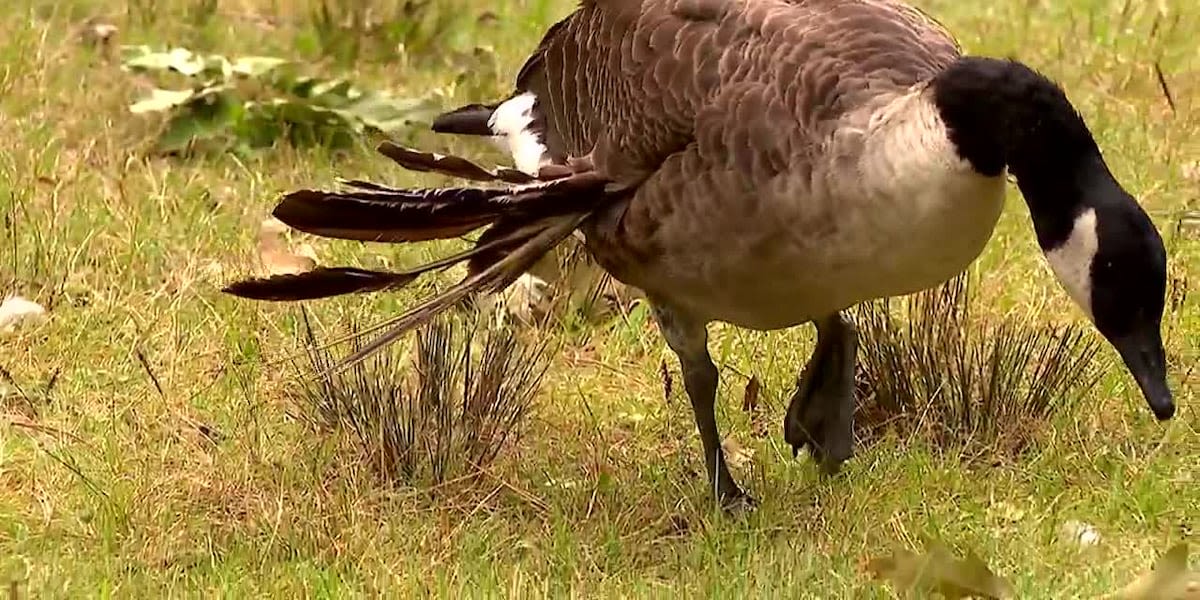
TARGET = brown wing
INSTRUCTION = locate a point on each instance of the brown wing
(754, 80)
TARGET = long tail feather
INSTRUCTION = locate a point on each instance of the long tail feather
(500, 230)
(523, 221)
(510, 240)
(326, 282)
(494, 278)
(428, 214)
(319, 283)
(453, 166)
(393, 216)
(369, 186)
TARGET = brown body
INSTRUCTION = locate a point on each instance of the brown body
(766, 196)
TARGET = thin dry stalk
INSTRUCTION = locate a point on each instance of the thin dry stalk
(968, 384)
(447, 411)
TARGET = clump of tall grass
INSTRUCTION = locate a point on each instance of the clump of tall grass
(976, 385)
(439, 409)
(30, 260)
(350, 30)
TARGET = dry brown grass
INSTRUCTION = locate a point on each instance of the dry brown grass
(970, 383)
(443, 409)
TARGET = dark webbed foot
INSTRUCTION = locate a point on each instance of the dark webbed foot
(821, 414)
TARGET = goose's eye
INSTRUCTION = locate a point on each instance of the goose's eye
(1129, 274)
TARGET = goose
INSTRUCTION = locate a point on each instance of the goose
(765, 164)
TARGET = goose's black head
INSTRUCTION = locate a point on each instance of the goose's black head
(1101, 245)
(1113, 264)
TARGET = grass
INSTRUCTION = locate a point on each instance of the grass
(983, 386)
(148, 447)
(444, 413)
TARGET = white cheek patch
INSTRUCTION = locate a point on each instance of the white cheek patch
(1072, 261)
(511, 121)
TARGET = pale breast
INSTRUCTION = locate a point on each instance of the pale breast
(889, 209)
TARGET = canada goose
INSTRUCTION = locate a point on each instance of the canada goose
(764, 163)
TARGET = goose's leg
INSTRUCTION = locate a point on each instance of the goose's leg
(688, 338)
(821, 414)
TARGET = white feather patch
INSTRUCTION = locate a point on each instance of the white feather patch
(1072, 261)
(511, 121)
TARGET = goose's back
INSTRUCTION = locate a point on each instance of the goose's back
(756, 81)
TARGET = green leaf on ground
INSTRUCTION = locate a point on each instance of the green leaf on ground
(180, 60)
(256, 66)
(160, 100)
(301, 109)
(208, 115)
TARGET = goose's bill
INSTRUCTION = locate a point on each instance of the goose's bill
(1143, 354)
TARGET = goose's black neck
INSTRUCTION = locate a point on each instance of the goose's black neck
(1001, 113)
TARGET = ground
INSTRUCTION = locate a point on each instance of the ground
(200, 479)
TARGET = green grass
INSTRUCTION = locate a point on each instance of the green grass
(109, 487)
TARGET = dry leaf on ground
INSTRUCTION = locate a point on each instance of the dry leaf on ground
(273, 251)
(16, 311)
(938, 571)
(95, 32)
(759, 426)
(737, 455)
(750, 395)
(527, 299)
(1078, 532)
(1168, 580)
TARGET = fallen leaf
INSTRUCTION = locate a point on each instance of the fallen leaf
(1169, 579)
(759, 427)
(1191, 170)
(1189, 223)
(1078, 532)
(750, 395)
(526, 300)
(938, 571)
(98, 33)
(16, 311)
(274, 254)
(1008, 511)
(667, 382)
(736, 455)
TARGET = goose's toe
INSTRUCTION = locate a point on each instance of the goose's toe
(737, 504)
(804, 426)
(820, 416)
(814, 425)
(820, 419)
